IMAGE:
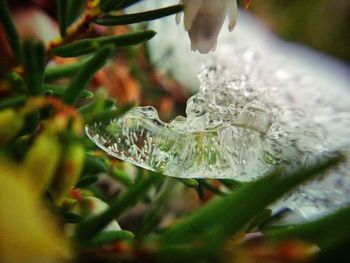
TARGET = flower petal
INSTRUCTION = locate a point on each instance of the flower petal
(178, 15)
(207, 25)
(192, 8)
(232, 13)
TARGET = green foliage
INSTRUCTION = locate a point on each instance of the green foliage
(62, 15)
(58, 90)
(87, 46)
(34, 64)
(91, 227)
(109, 5)
(107, 115)
(42, 116)
(13, 101)
(215, 224)
(110, 237)
(139, 17)
(334, 230)
(85, 74)
(66, 70)
(74, 9)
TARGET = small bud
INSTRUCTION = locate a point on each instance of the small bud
(41, 162)
(67, 177)
(10, 125)
(28, 232)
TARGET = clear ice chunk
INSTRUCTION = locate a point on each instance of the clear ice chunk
(248, 117)
(221, 138)
(180, 149)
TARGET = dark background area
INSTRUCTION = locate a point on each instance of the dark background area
(321, 24)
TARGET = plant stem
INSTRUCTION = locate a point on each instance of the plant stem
(91, 227)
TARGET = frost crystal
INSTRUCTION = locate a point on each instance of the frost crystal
(248, 117)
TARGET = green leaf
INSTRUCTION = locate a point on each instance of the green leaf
(189, 182)
(258, 219)
(99, 104)
(87, 46)
(127, 3)
(111, 114)
(338, 252)
(227, 216)
(13, 101)
(109, 5)
(85, 74)
(276, 220)
(57, 90)
(138, 17)
(62, 10)
(77, 48)
(16, 81)
(68, 216)
(122, 177)
(92, 226)
(31, 122)
(66, 70)
(110, 237)
(158, 206)
(10, 30)
(74, 9)
(34, 65)
(325, 231)
(93, 165)
(232, 184)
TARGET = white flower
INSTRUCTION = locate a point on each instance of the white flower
(203, 20)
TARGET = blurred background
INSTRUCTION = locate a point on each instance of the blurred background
(320, 24)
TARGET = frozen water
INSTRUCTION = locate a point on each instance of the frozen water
(251, 113)
(248, 116)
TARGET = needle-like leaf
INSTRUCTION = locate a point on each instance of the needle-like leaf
(138, 17)
(86, 73)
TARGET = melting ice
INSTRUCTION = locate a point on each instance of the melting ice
(246, 118)
(249, 115)
(243, 121)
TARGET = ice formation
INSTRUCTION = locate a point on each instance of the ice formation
(248, 116)
(251, 114)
